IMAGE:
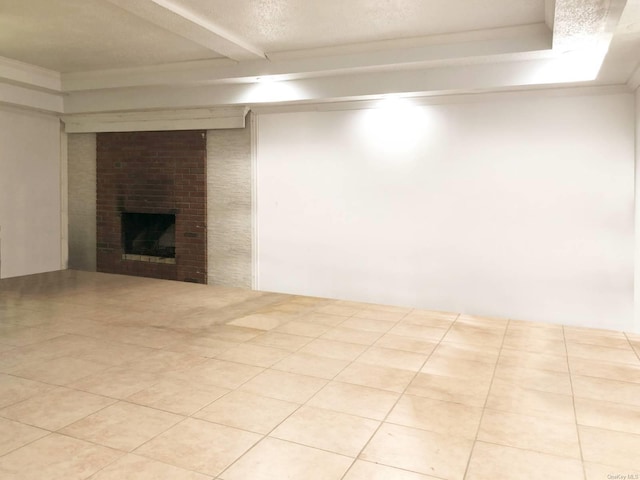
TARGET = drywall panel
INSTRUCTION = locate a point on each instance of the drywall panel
(521, 208)
(30, 211)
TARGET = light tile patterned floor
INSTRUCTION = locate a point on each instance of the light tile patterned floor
(107, 377)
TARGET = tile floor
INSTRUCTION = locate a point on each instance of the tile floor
(105, 377)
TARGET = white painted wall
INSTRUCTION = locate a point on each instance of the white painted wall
(30, 212)
(516, 207)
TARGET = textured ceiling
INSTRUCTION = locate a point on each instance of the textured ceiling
(71, 35)
(121, 55)
(282, 25)
(80, 35)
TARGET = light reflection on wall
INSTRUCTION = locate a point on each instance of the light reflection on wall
(395, 126)
(268, 91)
(573, 66)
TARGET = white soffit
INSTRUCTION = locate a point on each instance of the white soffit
(27, 86)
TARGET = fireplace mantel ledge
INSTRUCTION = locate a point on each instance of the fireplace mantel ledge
(157, 120)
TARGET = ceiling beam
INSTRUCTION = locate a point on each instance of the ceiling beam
(19, 73)
(549, 13)
(522, 41)
(634, 79)
(32, 99)
(424, 81)
(179, 20)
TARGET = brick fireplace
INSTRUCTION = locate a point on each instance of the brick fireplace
(152, 205)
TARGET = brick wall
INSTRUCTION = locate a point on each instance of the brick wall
(153, 172)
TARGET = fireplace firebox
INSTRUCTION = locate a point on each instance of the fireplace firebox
(149, 234)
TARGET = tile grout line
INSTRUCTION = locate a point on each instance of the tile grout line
(486, 400)
(301, 405)
(633, 349)
(382, 422)
(264, 369)
(48, 434)
(573, 402)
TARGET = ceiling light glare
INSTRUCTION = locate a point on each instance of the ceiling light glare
(395, 125)
(268, 90)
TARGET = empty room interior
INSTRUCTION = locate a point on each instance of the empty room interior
(336, 240)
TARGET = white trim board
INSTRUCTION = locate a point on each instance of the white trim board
(187, 119)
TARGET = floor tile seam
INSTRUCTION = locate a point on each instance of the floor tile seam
(600, 345)
(421, 428)
(333, 379)
(384, 420)
(586, 356)
(47, 359)
(527, 388)
(268, 436)
(606, 363)
(476, 345)
(52, 358)
(47, 434)
(632, 434)
(573, 403)
(531, 348)
(626, 382)
(368, 347)
(527, 368)
(230, 390)
(523, 349)
(609, 378)
(54, 385)
(317, 338)
(486, 401)
(347, 413)
(94, 474)
(243, 429)
(373, 345)
(428, 475)
(50, 391)
(530, 450)
(381, 334)
(403, 336)
(612, 430)
(533, 415)
(454, 357)
(116, 459)
(136, 450)
(633, 349)
(162, 410)
(59, 430)
(272, 436)
(92, 442)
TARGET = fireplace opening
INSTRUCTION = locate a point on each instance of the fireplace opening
(149, 234)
